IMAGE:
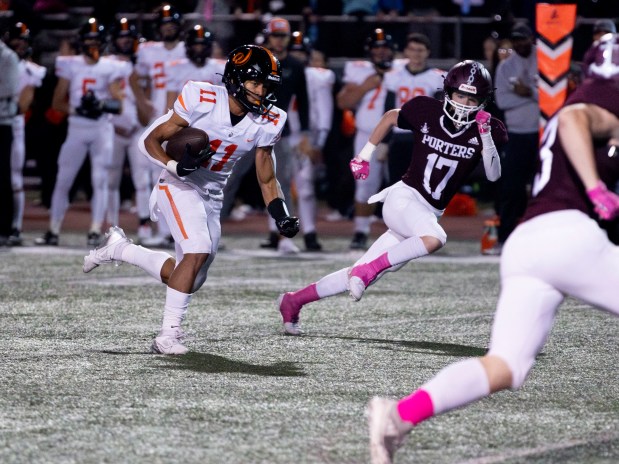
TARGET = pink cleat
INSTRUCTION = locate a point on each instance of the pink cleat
(290, 314)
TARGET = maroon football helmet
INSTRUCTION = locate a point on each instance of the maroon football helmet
(603, 58)
(470, 78)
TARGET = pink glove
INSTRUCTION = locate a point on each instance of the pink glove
(360, 168)
(605, 202)
(482, 118)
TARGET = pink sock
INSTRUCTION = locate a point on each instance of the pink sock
(416, 408)
(306, 295)
(380, 264)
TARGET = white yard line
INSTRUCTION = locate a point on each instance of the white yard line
(526, 452)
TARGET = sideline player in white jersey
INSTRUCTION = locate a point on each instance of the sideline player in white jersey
(320, 81)
(149, 84)
(31, 75)
(364, 92)
(412, 80)
(124, 45)
(197, 64)
(451, 139)
(89, 87)
(238, 119)
(558, 250)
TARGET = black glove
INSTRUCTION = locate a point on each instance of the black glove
(189, 163)
(287, 225)
(90, 107)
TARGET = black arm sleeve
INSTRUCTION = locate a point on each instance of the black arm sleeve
(390, 101)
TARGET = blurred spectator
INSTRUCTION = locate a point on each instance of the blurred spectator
(148, 82)
(359, 8)
(402, 85)
(600, 28)
(30, 76)
(88, 86)
(516, 95)
(365, 93)
(603, 26)
(9, 63)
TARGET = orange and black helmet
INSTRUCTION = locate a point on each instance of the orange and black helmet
(252, 62)
(198, 35)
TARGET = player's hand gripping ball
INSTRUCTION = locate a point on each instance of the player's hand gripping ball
(190, 147)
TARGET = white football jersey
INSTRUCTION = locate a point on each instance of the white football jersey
(406, 85)
(128, 119)
(84, 76)
(371, 107)
(205, 106)
(184, 70)
(30, 74)
(320, 83)
(151, 61)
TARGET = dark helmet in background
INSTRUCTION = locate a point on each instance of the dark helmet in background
(19, 39)
(469, 78)
(92, 38)
(168, 14)
(125, 37)
(198, 44)
(300, 43)
(602, 60)
(379, 39)
(252, 62)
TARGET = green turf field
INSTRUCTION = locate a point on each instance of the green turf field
(78, 385)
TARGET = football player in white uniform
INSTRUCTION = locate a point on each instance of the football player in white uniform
(149, 84)
(126, 134)
(320, 81)
(557, 250)
(89, 87)
(451, 139)
(238, 119)
(196, 66)
(364, 92)
(30, 76)
(410, 81)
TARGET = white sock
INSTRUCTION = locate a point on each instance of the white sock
(457, 385)
(362, 224)
(406, 250)
(176, 304)
(19, 202)
(147, 260)
(332, 284)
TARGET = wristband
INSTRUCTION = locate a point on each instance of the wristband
(277, 209)
(171, 167)
(367, 151)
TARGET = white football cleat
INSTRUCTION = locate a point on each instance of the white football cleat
(287, 247)
(387, 430)
(169, 344)
(104, 253)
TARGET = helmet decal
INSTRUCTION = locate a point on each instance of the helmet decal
(241, 58)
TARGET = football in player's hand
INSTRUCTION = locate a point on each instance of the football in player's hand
(197, 138)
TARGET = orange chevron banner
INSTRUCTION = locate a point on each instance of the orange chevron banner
(554, 24)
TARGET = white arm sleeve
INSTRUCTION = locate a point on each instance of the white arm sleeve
(490, 155)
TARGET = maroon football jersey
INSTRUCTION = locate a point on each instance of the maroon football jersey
(442, 160)
(557, 185)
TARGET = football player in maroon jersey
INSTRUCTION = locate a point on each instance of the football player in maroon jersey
(451, 138)
(559, 234)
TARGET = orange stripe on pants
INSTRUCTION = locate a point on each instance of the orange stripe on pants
(177, 216)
